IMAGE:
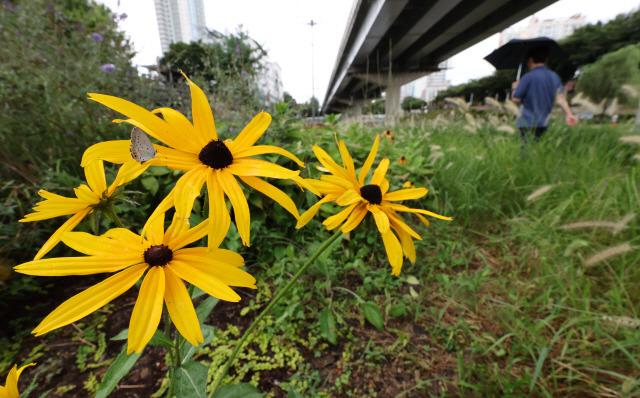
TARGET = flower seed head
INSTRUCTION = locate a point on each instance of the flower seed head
(216, 155)
(158, 255)
(372, 194)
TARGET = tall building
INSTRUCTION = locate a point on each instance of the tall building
(553, 28)
(180, 21)
(427, 87)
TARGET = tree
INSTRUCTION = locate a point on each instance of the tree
(410, 103)
(603, 79)
(592, 41)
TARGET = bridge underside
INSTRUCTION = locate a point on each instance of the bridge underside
(389, 43)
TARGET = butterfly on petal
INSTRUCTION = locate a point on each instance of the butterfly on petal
(141, 147)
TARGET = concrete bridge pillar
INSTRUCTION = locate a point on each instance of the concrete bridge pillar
(356, 108)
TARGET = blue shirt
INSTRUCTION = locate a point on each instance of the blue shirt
(537, 90)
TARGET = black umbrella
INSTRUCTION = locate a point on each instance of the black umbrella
(512, 55)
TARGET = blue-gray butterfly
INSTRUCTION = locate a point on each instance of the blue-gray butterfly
(141, 147)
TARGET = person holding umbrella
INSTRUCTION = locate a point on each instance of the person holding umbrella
(536, 92)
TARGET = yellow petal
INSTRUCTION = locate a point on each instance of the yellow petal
(176, 159)
(219, 219)
(209, 285)
(188, 188)
(181, 309)
(66, 227)
(338, 182)
(11, 386)
(349, 197)
(367, 164)
(153, 125)
(406, 194)
(355, 219)
(85, 194)
(394, 251)
(381, 219)
(347, 160)
(408, 247)
(308, 215)
(303, 183)
(64, 266)
(188, 137)
(337, 219)
(203, 123)
(251, 133)
(397, 223)
(102, 246)
(381, 171)
(94, 172)
(208, 263)
(274, 193)
(162, 208)
(112, 151)
(189, 236)
(384, 187)
(177, 227)
(238, 201)
(399, 207)
(328, 162)
(259, 168)
(95, 297)
(262, 149)
(129, 171)
(155, 233)
(147, 311)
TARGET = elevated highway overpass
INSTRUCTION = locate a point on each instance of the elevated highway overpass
(388, 43)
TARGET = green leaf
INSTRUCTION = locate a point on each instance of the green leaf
(118, 369)
(161, 340)
(121, 336)
(187, 350)
(151, 184)
(293, 394)
(398, 310)
(242, 390)
(205, 308)
(328, 326)
(543, 355)
(373, 314)
(190, 380)
(412, 280)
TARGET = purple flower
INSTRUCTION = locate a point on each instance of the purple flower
(108, 68)
(299, 116)
(123, 16)
(97, 37)
(1, 26)
(70, 133)
(231, 129)
(244, 73)
(78, 25)
(238, 48)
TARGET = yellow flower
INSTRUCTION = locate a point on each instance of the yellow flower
(88, 198)
(388, 135)
(402, 160)
(166, 262)
(408, 184)
(10, 389)
(197, 150)
(345, 189)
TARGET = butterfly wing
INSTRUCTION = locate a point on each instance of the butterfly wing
(141, 147)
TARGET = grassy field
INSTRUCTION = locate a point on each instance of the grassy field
(532, 289)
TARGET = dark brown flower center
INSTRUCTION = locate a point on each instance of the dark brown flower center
(216, 155)
(372, 194)
(158, 255)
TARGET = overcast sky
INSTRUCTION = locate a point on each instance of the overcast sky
(282, 27)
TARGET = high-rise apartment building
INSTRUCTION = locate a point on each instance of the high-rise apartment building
(553, 28)
(180, 21)
(427, 87)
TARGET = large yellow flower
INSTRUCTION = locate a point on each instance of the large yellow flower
(166, 262)
(10, 389)
(88, 198)
(344, 188)
(197, 150)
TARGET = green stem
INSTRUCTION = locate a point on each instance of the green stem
(264, 312)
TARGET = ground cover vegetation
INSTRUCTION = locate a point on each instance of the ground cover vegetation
(532, 289)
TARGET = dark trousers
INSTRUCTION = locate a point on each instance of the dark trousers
(527, 132)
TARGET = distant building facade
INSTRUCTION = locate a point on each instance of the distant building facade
(427, 87)
(180, 21)
(553, 28)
